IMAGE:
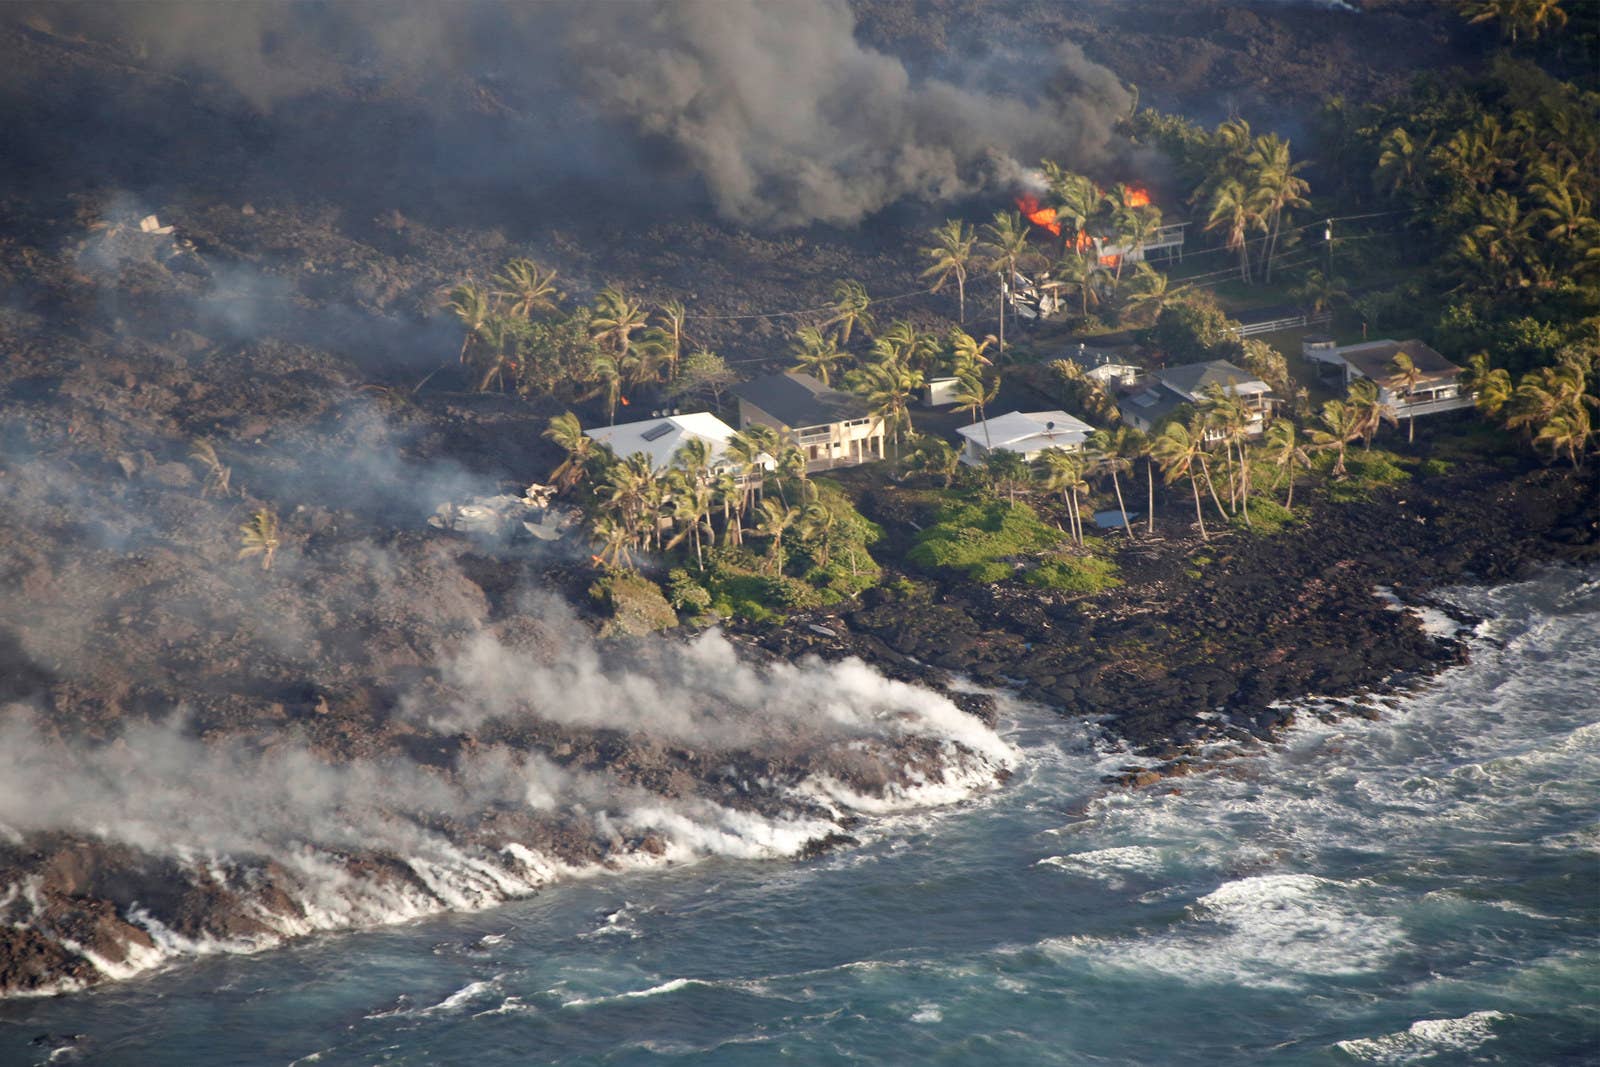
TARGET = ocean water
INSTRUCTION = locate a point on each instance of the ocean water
(1420, 889)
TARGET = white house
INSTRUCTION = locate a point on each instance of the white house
(1188, 384)
(660, 439)
(1108, 366)
(1438, 389)
(834, 429)
(1025, 433)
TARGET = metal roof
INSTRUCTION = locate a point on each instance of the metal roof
(661, 438)
(1374, 358)
(1031, 431)
(1192, 379)
(799, 400)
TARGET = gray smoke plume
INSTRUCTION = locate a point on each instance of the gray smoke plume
(784, 116)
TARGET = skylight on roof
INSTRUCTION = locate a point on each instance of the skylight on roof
(656, 433)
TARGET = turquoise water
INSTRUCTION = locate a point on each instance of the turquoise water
(1422, 889)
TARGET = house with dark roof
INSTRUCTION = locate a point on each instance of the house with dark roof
(1438, 387)
(832, 428)
(1173, 387)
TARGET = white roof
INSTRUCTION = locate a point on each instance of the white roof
(660, 438)
(1030, 431)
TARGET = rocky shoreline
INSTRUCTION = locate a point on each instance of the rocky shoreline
(1186, 655)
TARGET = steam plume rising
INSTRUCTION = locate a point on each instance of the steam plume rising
(783, 116)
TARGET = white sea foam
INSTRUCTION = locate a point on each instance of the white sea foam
(1426, 1039)
(1110, 865)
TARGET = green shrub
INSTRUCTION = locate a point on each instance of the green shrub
(1267, 516)
(991, 571)
(969, 534)
(634, 603)
(686, 594)
(1434, 468)
(1374, 468)
(790, 594)
(1074, 574)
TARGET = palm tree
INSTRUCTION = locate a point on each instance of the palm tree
(1235, 212)
(1283, 450)
(730, 497)
(1179, 453)
(748, 451)
(1563, 206)
(259, 537)
(606, 371)
(1491, 387)
(691, 503)
(1405, 370)
(1113, 447)
(217, 475)
(1543, 392)
(1499, 247)
(1005, 240)
(1371, 413)
(527, 287)
(850, 304)
(1401, 163)
(816, 522)
(1008, 472)
(776, 519)
(953, 256)
(1517, 17)
(615, 319)
(966, 352)
(673, 316)
(567, 434)
(1060, 471)
(1320, 292)
(1567, 430)
(816, 353)
(615, 538)
(973, 394)
(1343, 425)
(1277, 189)
(1079, 273)
(888, 386)
(473, 307)
(1149, 293)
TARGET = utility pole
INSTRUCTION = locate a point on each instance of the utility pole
(1327, 236)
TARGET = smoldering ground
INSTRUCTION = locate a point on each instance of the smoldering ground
(776, 113)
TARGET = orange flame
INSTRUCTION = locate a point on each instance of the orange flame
(597, 560)
(1138, 197)
(624, 400)
(1082, 242)
(1110, 261)
(1043, 217)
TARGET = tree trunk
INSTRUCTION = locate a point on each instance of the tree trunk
(1288, 502)
(1212, 487)
(1198, 518)
(1116, 483)
(961, 295)
(1150, 479)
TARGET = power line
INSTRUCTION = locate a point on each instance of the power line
(800, 311)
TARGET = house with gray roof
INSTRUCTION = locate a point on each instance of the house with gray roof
(1108, 366)
(1438, 387)
(1173, 387)
(832, 428)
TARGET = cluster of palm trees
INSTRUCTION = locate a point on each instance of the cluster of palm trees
(636, 510)
(889, 367)
(1251, 185)
(1510, 198)
(1550, 405)
(1517, 18)
(1075, 215)
(517, 332)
